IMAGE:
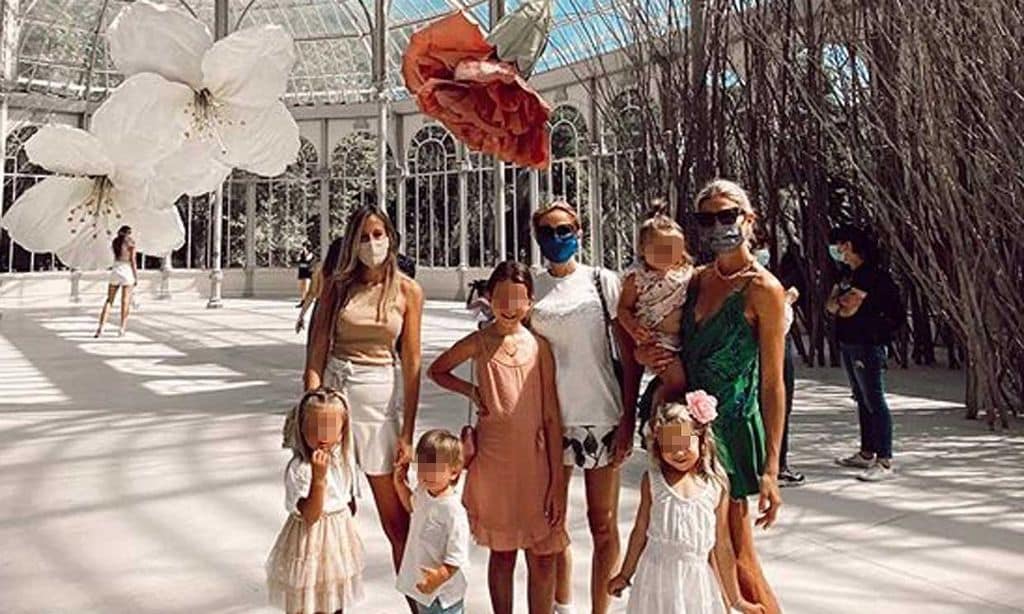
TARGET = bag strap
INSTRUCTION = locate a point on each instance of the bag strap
(604, 310)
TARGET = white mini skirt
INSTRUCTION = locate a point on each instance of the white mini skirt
(121, 274)
(374, 395)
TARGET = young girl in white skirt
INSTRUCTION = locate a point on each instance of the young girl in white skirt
(316, 564)
(680, 549)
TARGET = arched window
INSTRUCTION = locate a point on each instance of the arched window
(19, 175)
(432, 197)
(285, 215)
(569, 176)
(353, 181)
(627, 174)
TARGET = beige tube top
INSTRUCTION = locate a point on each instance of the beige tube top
(359, 336)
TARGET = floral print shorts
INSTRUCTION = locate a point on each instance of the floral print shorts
(588, 447)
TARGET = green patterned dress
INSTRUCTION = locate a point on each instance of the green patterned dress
(721, 357)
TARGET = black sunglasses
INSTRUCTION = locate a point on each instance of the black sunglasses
(725, 217)
(561, 231)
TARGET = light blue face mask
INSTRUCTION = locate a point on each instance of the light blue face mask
(836, 253)
(763, 257)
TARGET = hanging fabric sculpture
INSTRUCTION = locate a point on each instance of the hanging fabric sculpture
(103, 180)
(228, 93)
(189, 111)
(476, 85)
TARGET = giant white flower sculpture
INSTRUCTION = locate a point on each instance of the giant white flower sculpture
(103, 180)
(228, 93)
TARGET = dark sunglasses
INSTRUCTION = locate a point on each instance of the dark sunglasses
(725, 217)
(561, 231)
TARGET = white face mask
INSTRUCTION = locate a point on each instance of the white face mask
(375, 251)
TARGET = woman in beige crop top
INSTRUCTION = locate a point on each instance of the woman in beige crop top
(365, 341)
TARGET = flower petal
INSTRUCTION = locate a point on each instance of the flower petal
(38, 220)
(88, 252)
(147, 37)
(250, 68)
(67, 150)
(142, 121)
(263, 141)
(435, 50)
(191, 170)
(156, 231)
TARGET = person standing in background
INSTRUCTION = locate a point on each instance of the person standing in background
(304, 264)
(791, 279)
(868, 310)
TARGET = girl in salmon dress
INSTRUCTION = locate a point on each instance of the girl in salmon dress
(513, 488)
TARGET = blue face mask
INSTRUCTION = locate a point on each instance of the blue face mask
(836, 253)
(559, 249)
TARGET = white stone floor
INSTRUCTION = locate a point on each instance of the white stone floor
(143, 474)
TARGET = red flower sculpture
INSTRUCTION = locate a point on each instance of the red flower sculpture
(458, 79)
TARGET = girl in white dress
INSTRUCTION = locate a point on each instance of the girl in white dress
(316, 564)
(680, 550)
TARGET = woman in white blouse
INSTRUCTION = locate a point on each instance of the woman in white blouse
(574, 307)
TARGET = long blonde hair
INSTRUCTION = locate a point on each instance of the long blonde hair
(729, 190)
(349, 266)
(677, 413)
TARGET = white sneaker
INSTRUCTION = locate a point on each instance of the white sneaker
(564, 608)
(856, 460)
(877, 473)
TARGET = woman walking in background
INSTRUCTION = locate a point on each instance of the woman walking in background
(123, 276)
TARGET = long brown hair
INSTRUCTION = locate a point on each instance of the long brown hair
(349, 267)
(118, 243)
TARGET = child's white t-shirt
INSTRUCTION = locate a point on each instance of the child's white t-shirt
(299, 475)
(438, 535)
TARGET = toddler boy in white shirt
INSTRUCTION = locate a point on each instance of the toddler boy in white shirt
(437, 550)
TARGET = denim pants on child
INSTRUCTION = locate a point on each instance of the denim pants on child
(437, 608)
(865, 368)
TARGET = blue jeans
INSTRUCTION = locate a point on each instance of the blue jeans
(437, 608)
(865, 368)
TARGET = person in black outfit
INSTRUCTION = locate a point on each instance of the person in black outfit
(868, 310)
(792, 280)
(305, 271)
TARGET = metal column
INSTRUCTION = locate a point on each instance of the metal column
(403, 176)
(594, 204)
(497, 11)
(464, 169)
(250, 239)
(380, 82)
(325, 190)
(220, 29)
(534, 205)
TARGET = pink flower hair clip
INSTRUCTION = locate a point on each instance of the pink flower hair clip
(702, 406)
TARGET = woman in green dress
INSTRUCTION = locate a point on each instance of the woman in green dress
(733, 343)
